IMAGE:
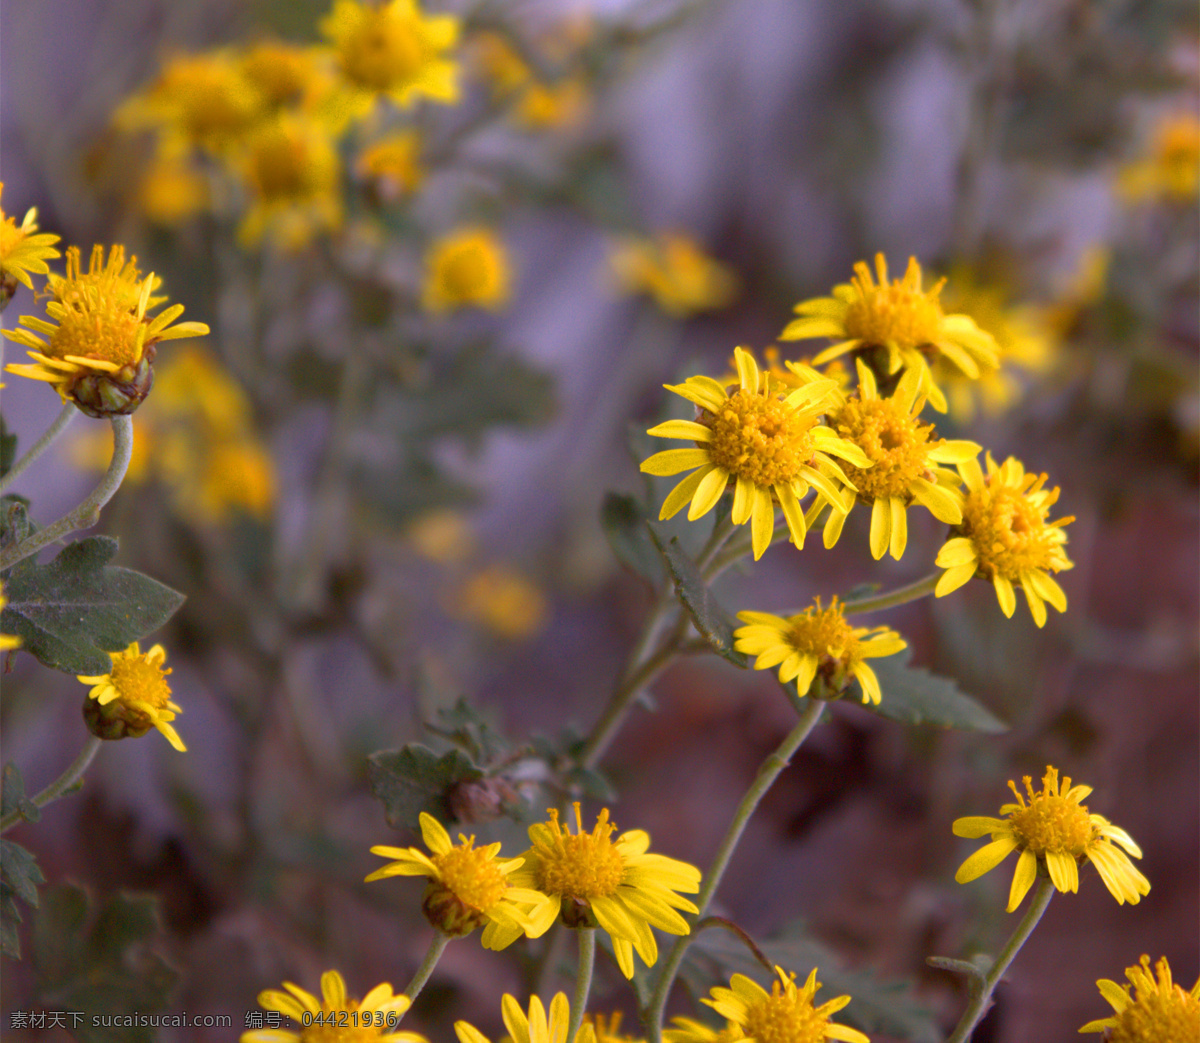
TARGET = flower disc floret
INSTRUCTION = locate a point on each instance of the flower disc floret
(765, 440)
(818, 649)
(1006, 537)
(133, 697)
(1054, 829)
(1154, 1012)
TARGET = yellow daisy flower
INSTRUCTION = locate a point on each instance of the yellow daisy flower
(1159, 1012)
(1005, 537)
(172, 190)
(133, 697)
(282, 72)
(536, 1027)
(468, 887)
(99, 356)
(596, 881)
(786, 1014)
(671, 268)
(23, 249)
(335, 1016)
(904, 455)
(817, 641)
(1171, 168)
(1055, 830)
(293, 176)
(468, 267)
(767, 443)
(899, 319)
(536, 105)
(393, 165)
(393, 49)
(7, 641)
(502, 600)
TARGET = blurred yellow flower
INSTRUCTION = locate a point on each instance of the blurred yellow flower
(23, 249)
(671, 268)
(172, 190)
(393, 165)
(134, 696)
(1154, 1012)
(1171, 168)
(467, 267)
(443, 536)
(504, 601)
(282, 72)
(536, 104)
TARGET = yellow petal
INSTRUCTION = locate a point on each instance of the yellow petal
(881, 528)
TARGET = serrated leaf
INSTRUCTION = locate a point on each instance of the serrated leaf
(413, 779)
(912, 695)
(72, 611)
(877, 1006)
(624, 519)
(101, 961)
(707, 614)
(12, 796)
(466, 727)
(19, 871)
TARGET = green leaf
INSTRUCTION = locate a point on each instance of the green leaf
(467, 728)
(912, 695)
(8, 448)
(707, 614)
(413, 779)
(624, 521)
(72, 611)
(101, 961)
(20, 876)
(877, 1006)
(12, 796)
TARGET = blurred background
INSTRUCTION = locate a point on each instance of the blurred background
(379, 501)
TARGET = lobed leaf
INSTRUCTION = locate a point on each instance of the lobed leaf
(20, 876)
(413, 779)
(912, 695)
(624, 519)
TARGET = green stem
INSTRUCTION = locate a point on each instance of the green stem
(60, 785)
(981, 991)
(436, 948)
(900, 596)
(768, 772)
(583, 981)
(39, 447)
(88, 512)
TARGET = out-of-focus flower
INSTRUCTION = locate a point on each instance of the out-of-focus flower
(769, 445)
(100, 354)
(1171, 168)
(671, 268)
(468, 267)
(1082, 289)
(536, 104)
(393, 165)
(172, 190)
(1005, 537)
(291, 170)
(818, 641)
(1155, 1012)
(608, 1029)
(1055, 830)
(393, 49)
(536, 1027)
(283, 72)
(23, 249)
(895, 324)
(132, 697)
(504, 601)
(443, 536)
(335, 1016)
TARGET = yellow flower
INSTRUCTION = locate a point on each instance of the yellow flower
(468, 886)
(593, 880)
(671, 268)
(23, 249)
(1160, 1012)
(468, 267)
(786, 1014)
(393, 165)
(1055, 830)
(504, 601)
(904, 455)
(536, 105)
(133, 696)
(1005, 537)
(99, 355)
(282, 72)
(817, 641)
(171, 190)
(443, 536)
(537, 1027)
(293, 176)
(7, 641)
(898, 319)
(771, 448)
(203, 100)
(335, 1017)
(1171, 170)
(393, 49)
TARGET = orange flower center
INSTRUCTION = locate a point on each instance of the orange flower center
(825, 632)
(897, 442)
(784, 1018)
(383, 53)
(897, 313)
(136, 679)
(474, 878)
(103, 328)
(1053, 823)
(465, 274)
(760, 438)
(581, 865)
(1010, 533)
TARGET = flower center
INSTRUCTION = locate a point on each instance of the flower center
(384, 53)
(278, 167)
(464, 274)
(474, 878)
(896, 313)
(783, 1018)
(760, 438)
(898, 443)
(1010, 533)
(137, 679)
(581, 865)
(825, 632)
(102, 328)
(1053, 823)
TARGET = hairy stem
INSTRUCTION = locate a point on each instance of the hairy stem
(890, 599)
(39, 447)
(583, 980)
(436, 948)
(88, 512)
(60, 785)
